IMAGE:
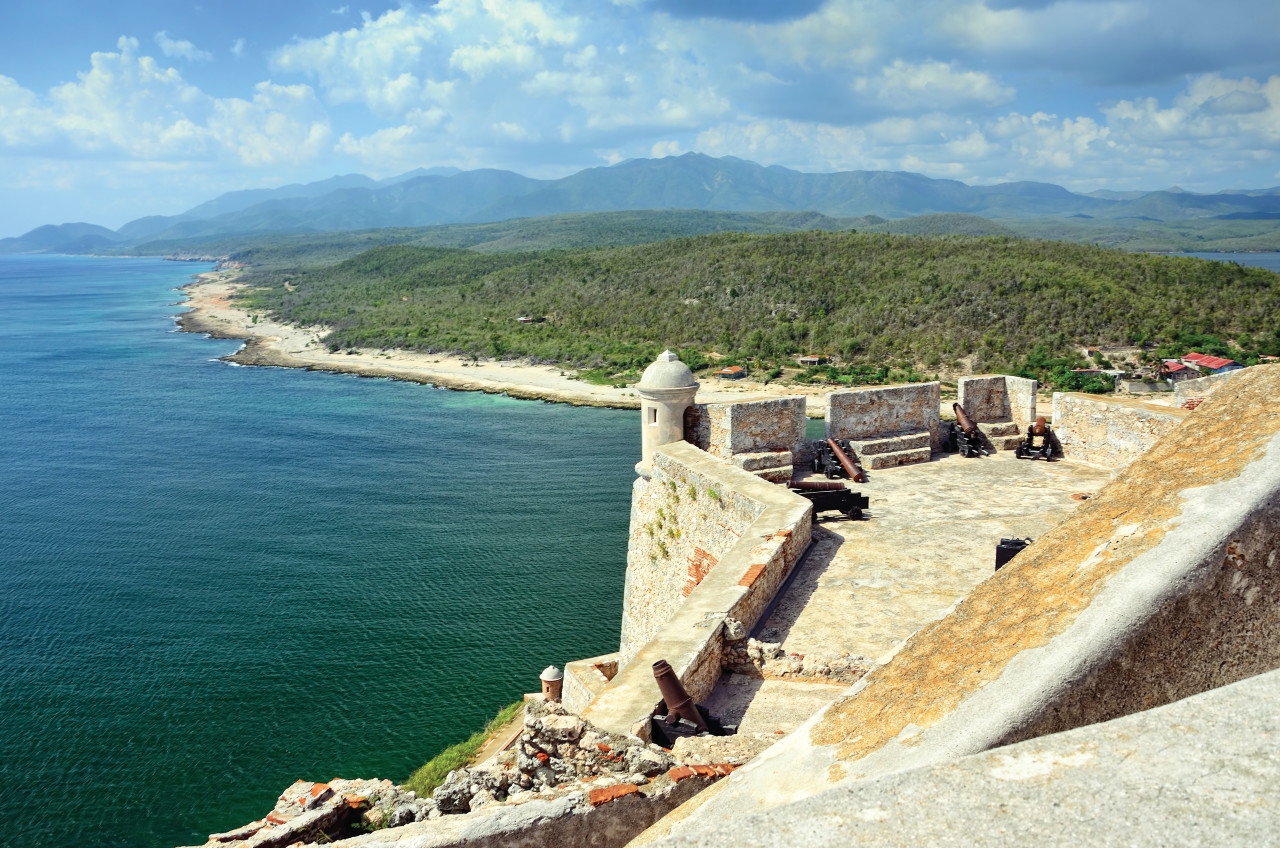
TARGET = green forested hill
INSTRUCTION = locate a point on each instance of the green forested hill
(871, 299)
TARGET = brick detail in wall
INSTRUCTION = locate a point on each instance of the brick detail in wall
(700, 565)
(752, 575)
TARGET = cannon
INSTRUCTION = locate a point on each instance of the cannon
(829, 496)
(836, 458)
(969, 439)
(677, 715)
(1038, 444)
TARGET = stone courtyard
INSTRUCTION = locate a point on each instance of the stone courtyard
(865, 586)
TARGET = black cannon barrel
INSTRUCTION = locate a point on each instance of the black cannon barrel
(850, 467)
(963, 419)
(815, 485)
(678, 700)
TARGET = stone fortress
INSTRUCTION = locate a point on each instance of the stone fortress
(1115, 682)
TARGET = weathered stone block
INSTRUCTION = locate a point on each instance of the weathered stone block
(884, 411)
(1109, 431)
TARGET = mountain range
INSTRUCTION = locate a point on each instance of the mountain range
(427, 197)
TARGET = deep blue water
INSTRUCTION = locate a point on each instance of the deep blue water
(216, 580)
(1270, 261)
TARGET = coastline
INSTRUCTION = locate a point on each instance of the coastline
(273, 344)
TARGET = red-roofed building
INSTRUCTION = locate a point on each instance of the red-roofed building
(733, 372)
(1175, 370)
(1216, 364)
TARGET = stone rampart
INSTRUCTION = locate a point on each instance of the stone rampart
(1195, 772)
(884, 412)
(999, 397)
(1109, 431)
(1164, 585)
(730, 539)
(683, 521)
(763, 435)
(1190, 390)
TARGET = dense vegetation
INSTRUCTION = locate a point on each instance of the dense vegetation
(874, 301)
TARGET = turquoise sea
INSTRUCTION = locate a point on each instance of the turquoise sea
(216, 580)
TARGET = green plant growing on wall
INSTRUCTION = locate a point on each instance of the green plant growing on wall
(693, 493)
(713, 494)
(662, 548)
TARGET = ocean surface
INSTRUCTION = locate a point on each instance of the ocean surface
(217, 580)
(1270, 261)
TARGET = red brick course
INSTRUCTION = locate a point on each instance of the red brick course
(680, 773)
(752, 575)
(605, 794)
(700, 565)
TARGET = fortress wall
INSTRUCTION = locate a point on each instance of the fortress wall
(757, 435)
(1164, 585)
(1203, 767)
(1185, 390)
(984, 398)
(1109, 431)
(999, 397)
(1022, 400)
(752, 533)
(682, 523)
(885, 411)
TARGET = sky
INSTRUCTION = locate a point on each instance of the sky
(109, 112)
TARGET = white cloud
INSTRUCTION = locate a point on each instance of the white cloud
(129, 107)
(903, 86)
(237, 47)
(181, 49)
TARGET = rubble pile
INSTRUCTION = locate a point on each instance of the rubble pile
(322, 812)
(556, 748)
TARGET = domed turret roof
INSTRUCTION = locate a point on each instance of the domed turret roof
(667, 372)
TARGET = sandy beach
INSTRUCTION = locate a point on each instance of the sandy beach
(273, 344)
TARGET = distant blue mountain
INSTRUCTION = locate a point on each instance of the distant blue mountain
(425, 197)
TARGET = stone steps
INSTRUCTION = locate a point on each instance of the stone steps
(891, 444)
(1003, 435)
(991, 429)
(875, 461)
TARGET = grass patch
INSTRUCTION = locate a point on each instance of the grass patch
(432, 774)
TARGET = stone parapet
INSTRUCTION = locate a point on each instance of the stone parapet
(882, 412)
(999, 397)
(756, 425)
(1109, 431)
(1197, 772)
(1185, 390)
(584, 679)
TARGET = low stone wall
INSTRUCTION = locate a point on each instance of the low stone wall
(584, 679)
(685, 627)
(999, 397)
(758, 435)
(1109, 431)
(1164, 585)
(1143, 387)
(1188, 390)
(883, 412)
